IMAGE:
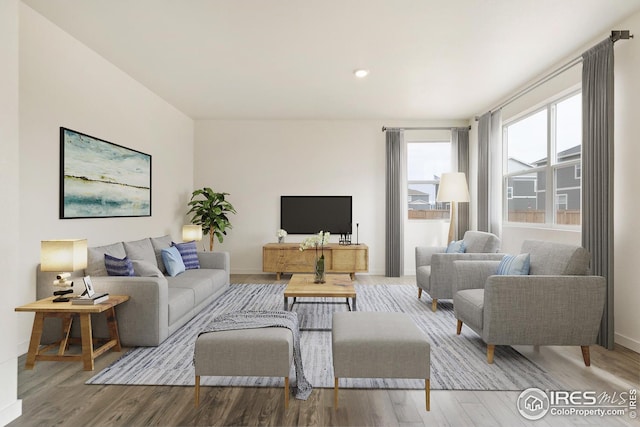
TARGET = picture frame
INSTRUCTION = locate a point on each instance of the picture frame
(100, 179)
(88, 287)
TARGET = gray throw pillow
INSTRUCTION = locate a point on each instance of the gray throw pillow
(145, 269)
(141, 250)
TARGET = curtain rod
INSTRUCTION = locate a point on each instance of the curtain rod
(615, 36)
(384, 128)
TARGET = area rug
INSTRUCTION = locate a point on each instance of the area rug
(458, 362)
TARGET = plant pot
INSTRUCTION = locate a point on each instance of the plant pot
(280, 239)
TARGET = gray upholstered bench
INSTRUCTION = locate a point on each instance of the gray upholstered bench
(379, 345)
(261, 352)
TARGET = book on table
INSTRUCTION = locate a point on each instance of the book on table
(86, 300)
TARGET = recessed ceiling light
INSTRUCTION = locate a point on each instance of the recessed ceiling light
(361, 73)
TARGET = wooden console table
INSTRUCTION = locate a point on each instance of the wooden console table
(65, 310)
(288, 258)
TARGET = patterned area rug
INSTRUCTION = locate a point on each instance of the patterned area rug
(457, 362)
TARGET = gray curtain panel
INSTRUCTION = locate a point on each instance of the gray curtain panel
(484, 141)
(597, 171)
(460, 148)
(394, 222)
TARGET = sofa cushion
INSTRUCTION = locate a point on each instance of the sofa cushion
(141, 250)
(189, 253)
(172, 261)
(117, 266)
(199, 281)
(160, 243)
(145, 269)
(514, 265)
(95, 258)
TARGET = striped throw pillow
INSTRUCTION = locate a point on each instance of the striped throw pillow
(189, 254)
(118, 267)
(512, 265)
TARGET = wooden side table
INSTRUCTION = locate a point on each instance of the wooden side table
(66, 311)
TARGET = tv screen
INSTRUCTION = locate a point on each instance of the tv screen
(312, 214)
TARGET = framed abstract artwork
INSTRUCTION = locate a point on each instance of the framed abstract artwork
(100, 179)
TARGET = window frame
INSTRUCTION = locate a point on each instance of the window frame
(549, 169)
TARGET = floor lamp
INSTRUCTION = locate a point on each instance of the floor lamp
(453, 188)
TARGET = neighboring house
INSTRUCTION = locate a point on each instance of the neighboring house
(521, 189)
(418, 200)
(568, 179)
(528, 191)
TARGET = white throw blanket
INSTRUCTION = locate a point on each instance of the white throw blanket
(267, 319)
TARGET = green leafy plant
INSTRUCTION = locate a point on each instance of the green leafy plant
(210, 211)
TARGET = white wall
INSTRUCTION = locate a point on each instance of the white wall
(626, 195)
(63, 83)
(627, 199)
(10, 405)
(258, 161)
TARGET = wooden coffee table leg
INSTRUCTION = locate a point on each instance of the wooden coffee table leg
(34, 344)
(87, 341)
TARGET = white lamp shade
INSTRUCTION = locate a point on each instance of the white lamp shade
(453, 188)
(63, 255)
(191, 232)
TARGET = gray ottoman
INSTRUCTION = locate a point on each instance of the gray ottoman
(379, 345)
(261, 352)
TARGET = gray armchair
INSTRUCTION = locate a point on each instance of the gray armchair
(558, 303)
(434, 267)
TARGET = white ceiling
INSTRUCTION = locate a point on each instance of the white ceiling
(290, 59)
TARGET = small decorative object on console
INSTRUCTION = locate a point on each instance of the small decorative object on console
(281, 234)
(319, 240)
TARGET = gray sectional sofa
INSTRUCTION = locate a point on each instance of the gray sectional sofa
(158, 304)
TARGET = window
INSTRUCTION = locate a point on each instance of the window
(426, 161)
(543, 151)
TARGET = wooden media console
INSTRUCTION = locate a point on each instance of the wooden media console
(288, 258)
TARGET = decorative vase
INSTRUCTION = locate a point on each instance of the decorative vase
(280, 239)
(319, 270)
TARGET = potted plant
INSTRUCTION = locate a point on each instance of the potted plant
(210, 211)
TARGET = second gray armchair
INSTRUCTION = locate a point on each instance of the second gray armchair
(434, 267)
(557, 303)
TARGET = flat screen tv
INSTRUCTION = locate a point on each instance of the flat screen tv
(312, 214)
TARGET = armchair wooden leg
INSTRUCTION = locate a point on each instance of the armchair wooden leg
(585, 355)
(286, 392)
(427, 390)
(434, 305)
(490, 349)
(419, 293)
(459, 327)
(335, 393)
(197, 390)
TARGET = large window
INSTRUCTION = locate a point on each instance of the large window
(542, 181)
(426, 161)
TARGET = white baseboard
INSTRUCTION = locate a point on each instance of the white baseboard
(630, 343)
(10, 412)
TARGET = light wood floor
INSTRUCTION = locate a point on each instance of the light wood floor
(54, 393)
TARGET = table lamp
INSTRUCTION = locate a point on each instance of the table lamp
(64, 257)
(453, 188)
(191, 232)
